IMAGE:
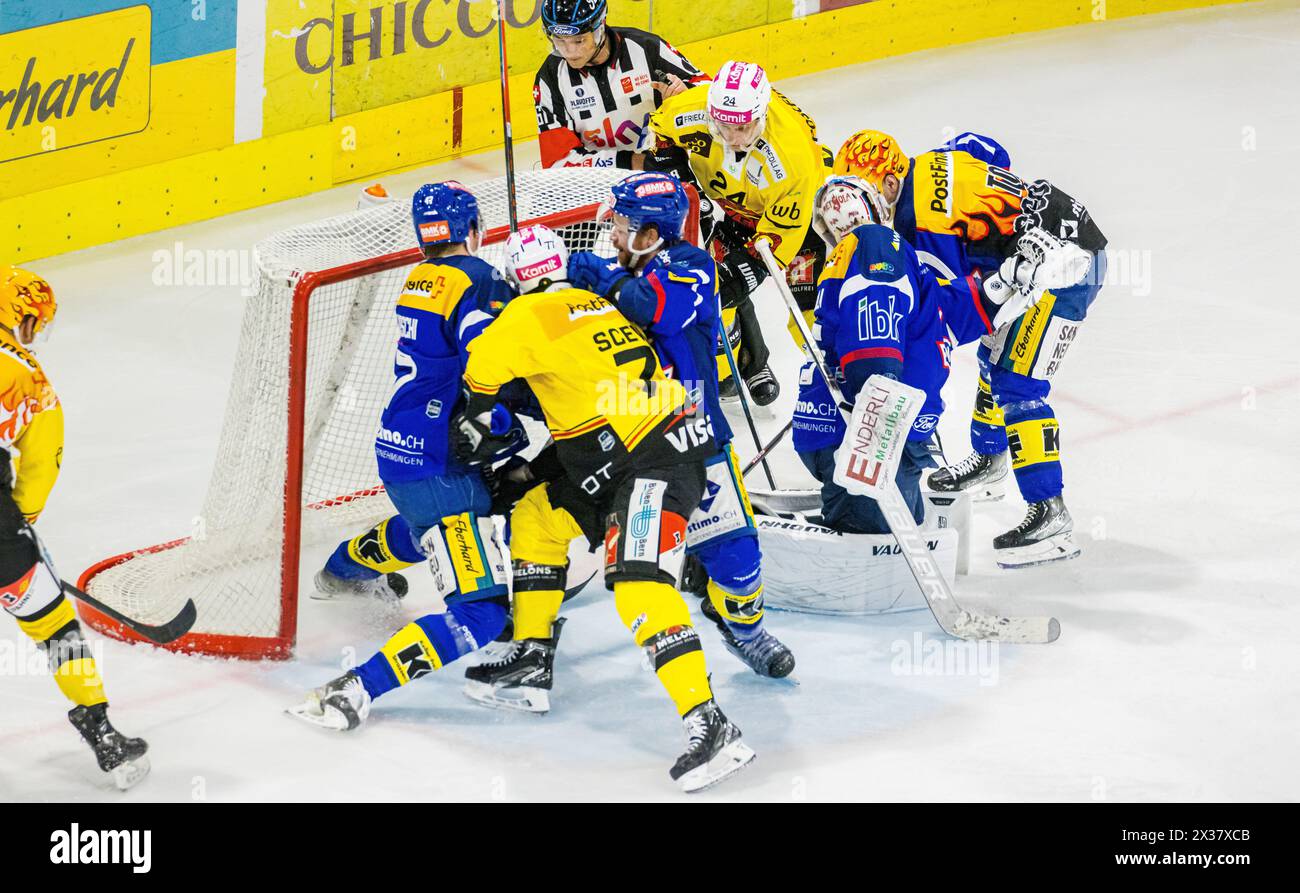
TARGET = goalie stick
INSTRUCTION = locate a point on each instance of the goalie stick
(955, 620)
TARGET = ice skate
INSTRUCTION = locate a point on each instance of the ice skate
(387, 587)
(1045, 535)
(983, 476)
(121, 757)
(341, 704)
(520, 679)
(713, 750)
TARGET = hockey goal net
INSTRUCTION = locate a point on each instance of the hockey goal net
(295, 463)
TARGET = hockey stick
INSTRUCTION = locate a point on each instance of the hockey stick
(955, 620)
(161, 635)
(506, 127)
(168, 632)
(744, 402)
(763, 453)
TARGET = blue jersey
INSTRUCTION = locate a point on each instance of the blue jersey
(675, 301)
(445, 303)
(879, 311)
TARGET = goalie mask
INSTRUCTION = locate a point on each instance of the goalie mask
(535, 257)
(843, 204)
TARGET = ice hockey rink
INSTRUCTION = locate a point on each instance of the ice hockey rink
(1176, 677)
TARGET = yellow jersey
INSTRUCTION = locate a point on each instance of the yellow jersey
(602, 390)
(769, 189)
(31, 425)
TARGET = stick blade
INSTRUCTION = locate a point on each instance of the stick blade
(995, 628)
(163, 634)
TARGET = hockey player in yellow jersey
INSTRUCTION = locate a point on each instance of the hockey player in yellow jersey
(755, 156)
(626, 471)
(31, 450)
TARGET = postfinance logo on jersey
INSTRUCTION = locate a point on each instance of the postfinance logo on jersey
(74, 82)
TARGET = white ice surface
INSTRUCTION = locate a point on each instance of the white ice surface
(1177, 674)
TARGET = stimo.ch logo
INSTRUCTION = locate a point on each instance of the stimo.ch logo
(393, 29)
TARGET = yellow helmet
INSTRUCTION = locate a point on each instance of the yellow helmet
(871, 155)
(24, 294)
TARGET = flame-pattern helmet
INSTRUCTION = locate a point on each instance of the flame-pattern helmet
(24, 294)
(871, 155)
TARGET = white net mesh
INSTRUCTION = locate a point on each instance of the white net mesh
(231, 564)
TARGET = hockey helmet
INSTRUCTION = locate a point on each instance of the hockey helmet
(25, 294)
(737, 104)
(871, 155)
(443, 213)
(535, 255)
(651, 199)
(567, 18)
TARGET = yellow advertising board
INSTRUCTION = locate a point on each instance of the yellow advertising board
(74, 82)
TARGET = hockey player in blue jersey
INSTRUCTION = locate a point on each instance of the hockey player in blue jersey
(669, 287)
(879, 311)
(965, 213)
(443, 504)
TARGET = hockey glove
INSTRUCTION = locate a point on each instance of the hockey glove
(472, 437)
(594, 273)
(739, 274)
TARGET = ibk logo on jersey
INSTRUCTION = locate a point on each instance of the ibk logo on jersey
(627, 85)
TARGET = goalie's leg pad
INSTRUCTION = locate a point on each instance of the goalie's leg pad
(386, 548)
(850, 513)
(661, 623)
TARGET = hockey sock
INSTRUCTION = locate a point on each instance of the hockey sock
(1036, 456)
(430, 643)
(988, 435)
(383, 549)
(58, 633)
(535, 612)
(661, 623)
(741, 611)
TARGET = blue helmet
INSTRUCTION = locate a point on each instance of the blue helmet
(443, 213)
(565, 18)
(652, 198)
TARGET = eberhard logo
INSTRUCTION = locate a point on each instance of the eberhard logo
(74, 82)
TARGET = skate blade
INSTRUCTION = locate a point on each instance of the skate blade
(523, 699)
(728, 761)
(1057, 548)
(130, 773)
(311, 713)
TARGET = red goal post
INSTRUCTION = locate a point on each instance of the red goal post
(295, 464)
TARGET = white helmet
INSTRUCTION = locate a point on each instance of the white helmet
(535, 254)
(739, 95)
(843, 204)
